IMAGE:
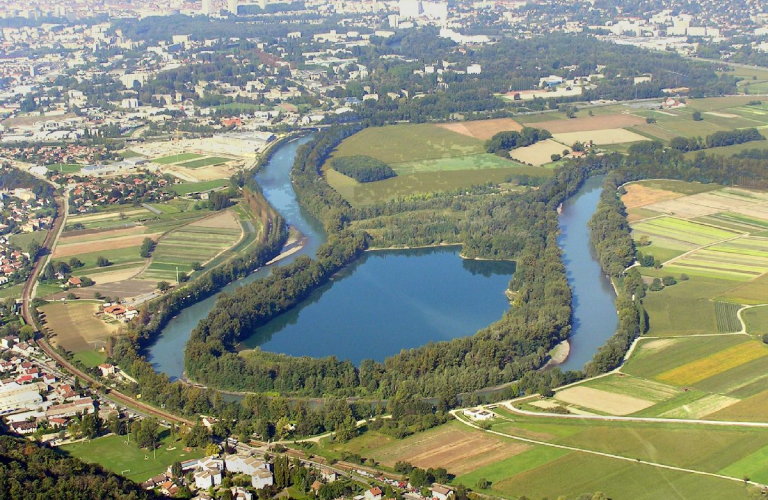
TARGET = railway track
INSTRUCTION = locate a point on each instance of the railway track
(26, 313)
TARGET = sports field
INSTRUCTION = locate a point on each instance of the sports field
(177, 158)
(115, 453)
(198, 187)
(204, 162)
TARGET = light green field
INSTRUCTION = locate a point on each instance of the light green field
(23, 240)
(499, 471)
(403, 186)
(730, 150)
(471, 162)
(90, 359)
(754, 466)
(651, 360)
(408, 143)
(11, 291)
(198, 187)
(115, 454)
(578, 473)
(682, 230)
(112, 217)
(204, 162)
(743, 259)
(181, 157)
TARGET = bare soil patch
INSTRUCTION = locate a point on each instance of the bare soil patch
(204, 173)
(458, 450)
(482, 129)
(639, 195)
(590, 123)
(224, 220)
(607, 402)
(658, 345)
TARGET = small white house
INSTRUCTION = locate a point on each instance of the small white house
(261, 479)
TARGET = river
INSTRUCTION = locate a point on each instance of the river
(393, 300)
(166, 354)
(594, 318)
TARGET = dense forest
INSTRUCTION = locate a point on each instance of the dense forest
(363, 168)
(503, 142)
(29, 471)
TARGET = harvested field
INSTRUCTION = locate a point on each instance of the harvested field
(640, 195)
(222, 220)
(539, 153)
(109, 276)
(628, 385)
(658, 345)
(104, 244)
(703, 204)
(603, 401)
(588, 123)
(74, 326)
(700, 408)
(602, 137)
(545, 404)
(701, 369)
(459, 449)
(753, 409)
(482, 129)
(721, 115)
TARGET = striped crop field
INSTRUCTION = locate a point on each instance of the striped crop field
(739, 222)
(197, 242)
(701, 369)
(738, 260)
(682, 230)
(727, 319)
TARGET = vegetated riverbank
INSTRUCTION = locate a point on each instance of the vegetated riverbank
(533, 242)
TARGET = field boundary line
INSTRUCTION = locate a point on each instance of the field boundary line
(647, 420)
(689, 252)
(607, 455)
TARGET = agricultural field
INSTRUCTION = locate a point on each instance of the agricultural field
(427, 158)
(199, 242)
(74, 326)
(23, 240)
(538, 154)
(756, 320)
(116, 454)
(603, 137)
(198, 187)
(482, 129)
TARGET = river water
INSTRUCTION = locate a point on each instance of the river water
(166, 354)
(594, 313)
(393, 300)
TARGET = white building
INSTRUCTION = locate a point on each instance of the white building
(474, 69)
(14, 397)
(206, 8)
(409, 9)
(245, 464)
(261, 479)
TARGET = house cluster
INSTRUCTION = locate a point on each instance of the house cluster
(32, 396)
(208, 472)
(12, 262)
(91, 193)
(117, 312)
(63, 154)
